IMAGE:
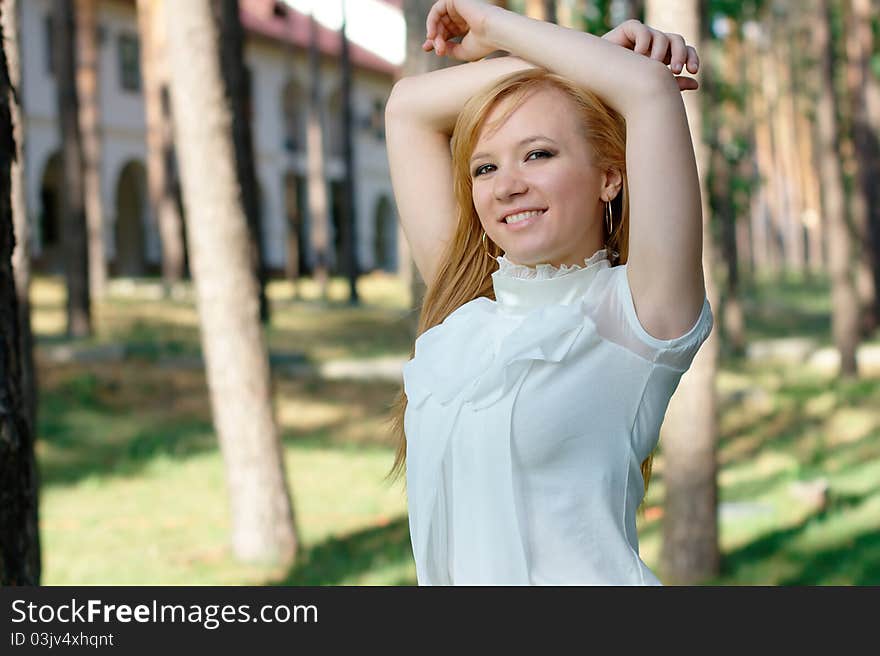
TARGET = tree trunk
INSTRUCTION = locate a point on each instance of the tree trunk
(319, 219)
(21, 254)
(237, 83)
(859, 44)
(348, 223)
(160, 145)
(688, 439)
(73, 215)
(844, 318)
(544, 10)
(763, 204)
(232, 340)
(803, 97)
(19, 536)
(87, 83)
(723, 113)
(786, 169)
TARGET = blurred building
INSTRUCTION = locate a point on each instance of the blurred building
(276, 53)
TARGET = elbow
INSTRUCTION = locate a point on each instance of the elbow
(392, 105)
(657, 78)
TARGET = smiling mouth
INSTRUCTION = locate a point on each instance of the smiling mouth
(530, 217)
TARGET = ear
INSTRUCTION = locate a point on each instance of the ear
(612, 181)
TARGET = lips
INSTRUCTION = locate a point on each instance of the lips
(503, 219)
(525, 223)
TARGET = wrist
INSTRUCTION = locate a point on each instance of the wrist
(500, 23)
(494, 19)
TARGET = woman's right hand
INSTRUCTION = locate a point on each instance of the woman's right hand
(465, 18)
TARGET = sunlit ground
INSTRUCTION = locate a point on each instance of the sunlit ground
(132, 479)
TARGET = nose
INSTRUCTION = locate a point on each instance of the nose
(508, 183)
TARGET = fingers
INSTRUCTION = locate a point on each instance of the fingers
(642, 38)
(693, 60)
(687, 83)
(659, 46)
(678, 52)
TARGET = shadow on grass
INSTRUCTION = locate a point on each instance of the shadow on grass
(863, 555)
(337, 559)
(82, 436)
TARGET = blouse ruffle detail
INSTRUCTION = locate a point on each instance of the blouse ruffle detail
(545, 271)
(446, 366)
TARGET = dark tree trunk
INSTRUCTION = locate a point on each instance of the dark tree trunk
(87, 84)
(21, 254)
(19, 536)
(348, 223)
(73, 214)
(844, 300)
(237, 83)
(319, 219)
(865, 195)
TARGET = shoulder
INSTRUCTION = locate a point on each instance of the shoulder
(614, 310)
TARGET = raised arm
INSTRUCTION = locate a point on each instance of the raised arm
(419, 117)
(664, 264)
(435, 99)
(620, 76)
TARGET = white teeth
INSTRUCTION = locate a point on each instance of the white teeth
(516, 218)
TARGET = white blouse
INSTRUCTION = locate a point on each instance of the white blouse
(527, 421)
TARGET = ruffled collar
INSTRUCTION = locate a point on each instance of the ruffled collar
(522, 286)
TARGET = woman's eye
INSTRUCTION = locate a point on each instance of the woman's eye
(534, 152)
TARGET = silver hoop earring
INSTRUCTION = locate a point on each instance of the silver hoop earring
(609, 218)
(486, 248)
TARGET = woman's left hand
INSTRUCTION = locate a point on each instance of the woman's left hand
(448, 19)
(665, 47)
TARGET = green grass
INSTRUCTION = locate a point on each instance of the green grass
(132, 485)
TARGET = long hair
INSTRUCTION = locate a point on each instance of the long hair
(464, 272)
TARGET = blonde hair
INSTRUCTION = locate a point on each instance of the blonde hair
(464, 271)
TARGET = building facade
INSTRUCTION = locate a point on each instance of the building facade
(276, 54)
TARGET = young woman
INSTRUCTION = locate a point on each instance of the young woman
(560, 236)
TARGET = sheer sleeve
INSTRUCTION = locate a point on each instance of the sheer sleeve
(612, 309)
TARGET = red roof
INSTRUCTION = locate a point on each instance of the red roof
(260, 17)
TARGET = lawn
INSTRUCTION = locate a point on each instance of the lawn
(132, 488)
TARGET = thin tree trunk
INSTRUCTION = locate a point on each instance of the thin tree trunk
(774, 163)
(571, 14)
(73, 215)
(319, 220)
(263, 527)
(21, 254)
(19, 528)
(859, 44)
(764, 207)
(844, 318)
(787, 169)
(688, 439)
(803, 97)
(160, 145)
(870, 154)
(237, 85)
(87, 82)
(348, 223)
(725, 128)
(544, 10)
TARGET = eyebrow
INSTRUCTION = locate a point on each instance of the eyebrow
(537, 137)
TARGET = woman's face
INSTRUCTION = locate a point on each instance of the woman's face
(553, 173)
